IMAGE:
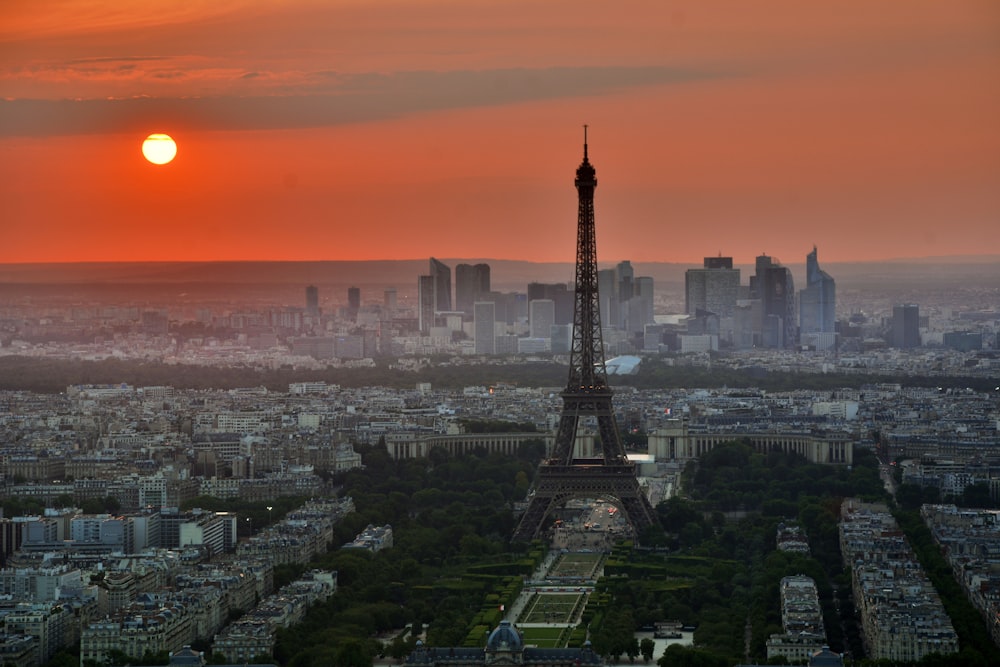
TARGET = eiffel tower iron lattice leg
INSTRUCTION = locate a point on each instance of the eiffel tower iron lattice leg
(587, 395)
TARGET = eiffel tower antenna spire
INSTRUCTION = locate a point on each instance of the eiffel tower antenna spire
(587, 395)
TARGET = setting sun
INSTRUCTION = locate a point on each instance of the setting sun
(159, 148)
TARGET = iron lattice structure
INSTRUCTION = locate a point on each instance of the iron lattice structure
(587, 395)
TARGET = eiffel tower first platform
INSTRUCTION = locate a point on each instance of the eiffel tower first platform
(587, 395)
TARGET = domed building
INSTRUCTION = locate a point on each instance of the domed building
(504, 646)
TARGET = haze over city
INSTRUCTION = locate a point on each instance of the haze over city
(307, 356)
(399, 130)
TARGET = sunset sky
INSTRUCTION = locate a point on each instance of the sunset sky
(364, 129)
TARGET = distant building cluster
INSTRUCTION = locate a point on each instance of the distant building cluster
(536, 322)
(469, 317)
(763, 313)
(901, 615)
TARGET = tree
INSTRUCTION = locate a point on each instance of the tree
(646, 647)
(632, 649)
(353, 653)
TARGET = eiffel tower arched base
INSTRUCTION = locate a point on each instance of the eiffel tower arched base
(557, 484)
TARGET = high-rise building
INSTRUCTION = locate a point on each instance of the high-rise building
(472, 282)
(353, 302)
(541, 317)
(560, 295)
(906, 326)
(644, 296)
(776, 290)
(626, 302)
(441, 273)
(626, 277)
(713, 288)
(484, 327)
(818, 300)
(433, 293)
(389, 299)
(312, 300)
(425, 303)
(607, 286)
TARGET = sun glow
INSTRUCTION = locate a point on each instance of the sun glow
(159, 148)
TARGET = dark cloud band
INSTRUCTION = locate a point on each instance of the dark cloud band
(350, 99)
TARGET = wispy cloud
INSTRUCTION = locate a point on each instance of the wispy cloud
(347, 99)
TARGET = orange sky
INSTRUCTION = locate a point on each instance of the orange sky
(351, 129)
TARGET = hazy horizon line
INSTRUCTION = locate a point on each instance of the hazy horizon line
(985, 257)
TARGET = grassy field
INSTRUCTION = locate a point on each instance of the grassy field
(544, 637)
(552, 608)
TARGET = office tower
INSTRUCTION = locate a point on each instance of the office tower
(541, 317)
(607, 287)
(626, 302)
(441, 274)
(511, 307)
(562, 338)
(484, 327)
(625, 275)
(353, 302)
(433, 294)
(472, 282)
(964, 341)
(425, 303)
(817, 300)
(312, 300)
(644, 296)
(906, 326)
(586, 399)
(713, 288)
(389, 299)
(560, 295)
(775, 288)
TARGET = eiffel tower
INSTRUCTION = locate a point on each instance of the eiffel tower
(587, 394)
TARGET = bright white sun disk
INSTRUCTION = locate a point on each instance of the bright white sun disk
(159, 148)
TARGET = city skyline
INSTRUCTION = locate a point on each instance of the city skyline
(347, 131)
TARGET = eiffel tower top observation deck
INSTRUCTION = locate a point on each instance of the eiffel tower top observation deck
(587, 394)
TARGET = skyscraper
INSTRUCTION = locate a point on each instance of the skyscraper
(484, 327)
(776, 291)
(560, 295)
(441, 273)
(817, 300)
(312, 300)
(389, 299)
(472, 282)
(425, 303)
(541, 317)
(433, 293)
(906, 326)
(607, 286)
(644, 296)
(353, 302)
(713, 288)
(626, 277)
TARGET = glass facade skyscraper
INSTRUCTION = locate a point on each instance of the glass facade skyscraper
(818, 300)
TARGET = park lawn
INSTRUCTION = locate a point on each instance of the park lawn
(543, 637)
